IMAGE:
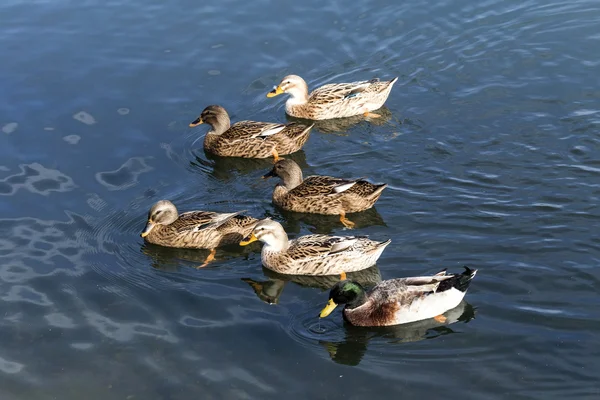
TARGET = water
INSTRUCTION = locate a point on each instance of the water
(489, 144)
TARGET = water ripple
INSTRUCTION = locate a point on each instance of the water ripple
(37, 179)
(488, 144)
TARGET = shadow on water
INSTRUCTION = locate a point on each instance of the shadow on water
(223, 168)
(342, 125)
(330, 224)
(353, 347)
(172, 259)
(270, 290)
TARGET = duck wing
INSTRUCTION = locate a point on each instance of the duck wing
(245, 130)
(318, 185)
(316, 246)
(199, 220)
(339, 91)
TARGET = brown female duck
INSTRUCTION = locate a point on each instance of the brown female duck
(313, 254)
(321, 194)
(335, 100)
(250, 139)
(195, 229)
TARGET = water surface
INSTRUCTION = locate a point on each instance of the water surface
(489, 143)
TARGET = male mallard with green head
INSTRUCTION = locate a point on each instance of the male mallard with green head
(399, 301)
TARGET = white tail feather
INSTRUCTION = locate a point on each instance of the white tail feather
(270, 131)
(343, 187)
(343, 245)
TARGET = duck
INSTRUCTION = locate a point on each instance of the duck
(195, 229)
(334, 100)
(313, 254)
(320, 194)
(399, 301)
(250, 139)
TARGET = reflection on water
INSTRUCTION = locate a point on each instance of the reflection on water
(171, 259)
(270, 290)
(343, 125)
(125, 176)
(489, 144)
(37, 179)
(353, 347)
(330, 224)
(222, 168)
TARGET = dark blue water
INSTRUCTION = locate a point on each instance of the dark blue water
(490, 144)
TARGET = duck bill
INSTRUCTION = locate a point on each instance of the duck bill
(149, 226)
(269, 174)
(248, 240)
(328, 309)
(275, 92)
(196, 122)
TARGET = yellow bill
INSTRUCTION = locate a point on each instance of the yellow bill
(251, 239)
(196, 122)
(275, 92)
(343, 276)
(149, 226)
(328, 309)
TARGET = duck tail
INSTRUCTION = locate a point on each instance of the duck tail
(383, 245)
(464, 280)
(301, 135)
(459, 281)
(303, 129)
(378, 189)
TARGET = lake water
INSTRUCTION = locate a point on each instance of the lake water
(490, 145)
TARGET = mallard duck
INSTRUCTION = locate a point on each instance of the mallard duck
(313, 254)
(335, 100)
(250, 139)
(399, 301)
(321, 194)
(351, 348)
(195, 229)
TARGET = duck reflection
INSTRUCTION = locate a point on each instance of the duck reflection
(170, 258)
(329, 224)
(270, 290)
(351, 350)
(224, 168)
(341, 125)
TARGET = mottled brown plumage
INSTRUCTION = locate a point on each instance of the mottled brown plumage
(313, 254)
(194, 229)
(321, 194)
(335, 100)
(250, 139)
(399, 301)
